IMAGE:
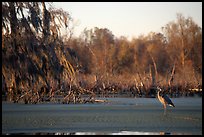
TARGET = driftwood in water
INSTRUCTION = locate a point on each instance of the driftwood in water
(75, 95)
(100, 100)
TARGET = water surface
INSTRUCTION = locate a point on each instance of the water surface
(117, 116)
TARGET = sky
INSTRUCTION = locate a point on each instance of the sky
(129, 19)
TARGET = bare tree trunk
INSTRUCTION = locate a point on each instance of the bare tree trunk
(182, 53)
(142, 83)
(154, 73)
(172, 76)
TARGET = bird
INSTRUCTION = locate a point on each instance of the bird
(164, 99)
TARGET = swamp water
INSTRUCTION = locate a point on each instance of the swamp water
(116, 116)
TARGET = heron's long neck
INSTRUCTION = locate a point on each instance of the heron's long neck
(158, 95)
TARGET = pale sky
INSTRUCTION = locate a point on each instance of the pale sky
(129, 19)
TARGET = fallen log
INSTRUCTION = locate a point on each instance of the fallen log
(100, 100)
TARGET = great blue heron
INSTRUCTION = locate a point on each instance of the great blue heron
(164, 99)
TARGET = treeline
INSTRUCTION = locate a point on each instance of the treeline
(171, 59)
(38, 61)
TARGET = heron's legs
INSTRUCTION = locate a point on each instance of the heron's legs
(164, 109)
(165, 106)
